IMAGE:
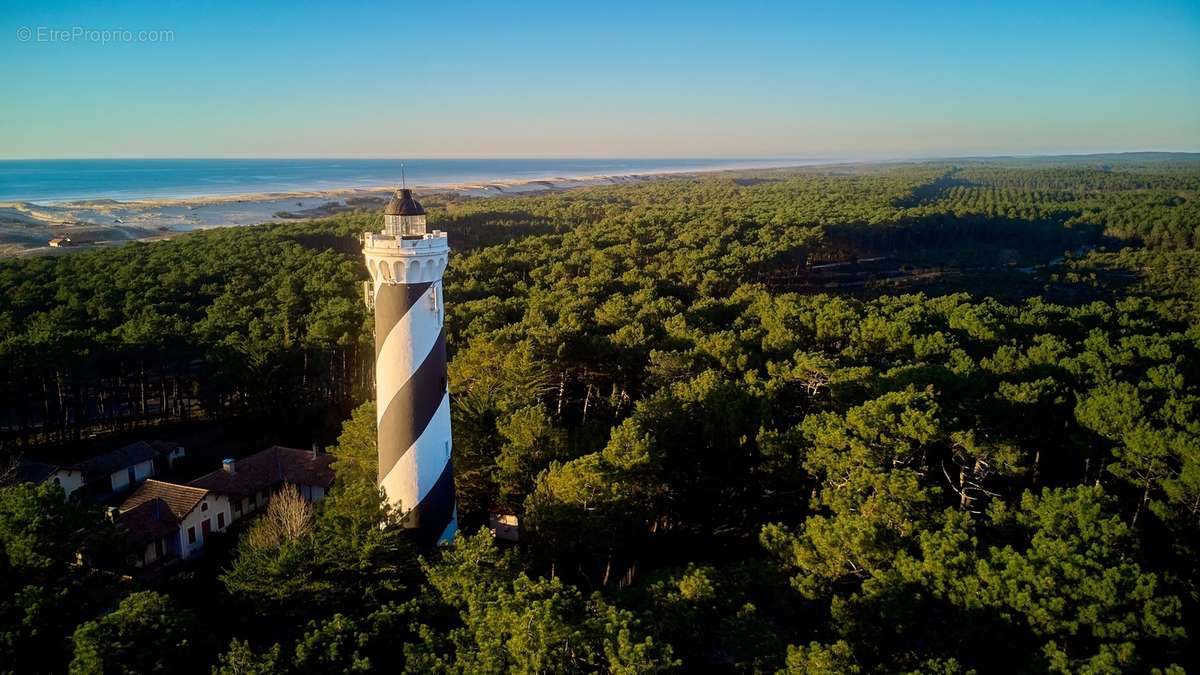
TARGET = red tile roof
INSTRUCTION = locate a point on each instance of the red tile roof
(156, 508)
(148, 521)
(268, 469)
(179, 499)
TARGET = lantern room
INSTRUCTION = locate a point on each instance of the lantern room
(404, 217)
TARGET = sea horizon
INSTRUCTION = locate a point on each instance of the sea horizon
(47, 181)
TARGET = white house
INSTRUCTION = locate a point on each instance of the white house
(504, 524)
(68, 478)
(119, 470)
(33, 471)
(169, 452)
(250, 482)
(167, 520)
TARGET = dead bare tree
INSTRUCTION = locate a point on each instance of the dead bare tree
(8, 471)
(288, 517)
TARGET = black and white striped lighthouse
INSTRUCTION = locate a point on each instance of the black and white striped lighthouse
(411, 392)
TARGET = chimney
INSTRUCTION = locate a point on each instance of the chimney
(229, 466)
(315, 451)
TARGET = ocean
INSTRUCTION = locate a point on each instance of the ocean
(125, 179)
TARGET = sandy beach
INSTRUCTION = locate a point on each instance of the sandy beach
(26, 228)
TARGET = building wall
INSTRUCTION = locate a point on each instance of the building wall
(150, 553)
(69, 480)
(216, 504)
(244, 507)
(312, 493)
(143, 471)
(505, 526)
(258, 501)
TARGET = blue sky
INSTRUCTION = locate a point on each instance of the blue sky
(596, 79)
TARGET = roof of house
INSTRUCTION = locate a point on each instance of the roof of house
(179, 500)
(33, 471)
(164, 447)
(121, 458)
(150, 520)
(268, 468)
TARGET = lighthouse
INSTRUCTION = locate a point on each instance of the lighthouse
(412, 395)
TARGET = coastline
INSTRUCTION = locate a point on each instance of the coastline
(26, 227)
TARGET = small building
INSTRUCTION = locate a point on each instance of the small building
(165, 520)
(250, 482)
(33, 471)
(69, 478)
(104, 475)
(169, 452)
(504, 524)
(28, 471)
(113, 472)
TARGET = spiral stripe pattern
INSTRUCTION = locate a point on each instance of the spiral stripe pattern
(413, 411)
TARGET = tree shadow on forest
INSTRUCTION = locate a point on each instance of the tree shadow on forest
(1003, 257)
(908, 619)
(489, 228)
(927, 193)
(747, 182)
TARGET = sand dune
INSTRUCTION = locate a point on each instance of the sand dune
(27, 227)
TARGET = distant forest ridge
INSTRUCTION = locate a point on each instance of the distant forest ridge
(1116, 158)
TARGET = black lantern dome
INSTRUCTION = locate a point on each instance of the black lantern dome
(403, 204)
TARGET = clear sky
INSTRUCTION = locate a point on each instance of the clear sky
(826, 79)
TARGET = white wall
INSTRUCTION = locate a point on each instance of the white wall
(216, 504)
(312, 493)
(150, 554)
(69, 479)
(143, 471)
(248, 507)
